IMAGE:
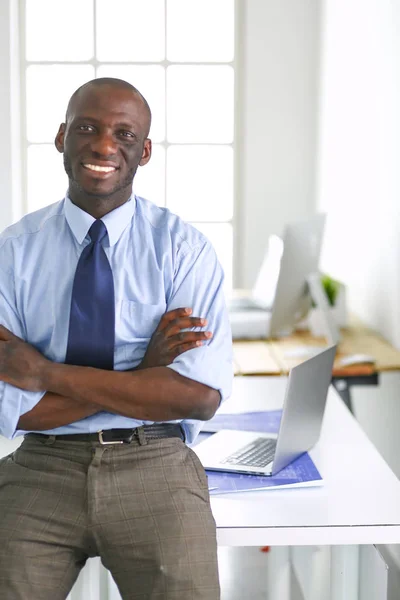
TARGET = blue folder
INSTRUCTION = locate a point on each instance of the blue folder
(261, 422)
(300, 473)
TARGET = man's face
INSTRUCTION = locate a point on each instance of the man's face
(104, 140)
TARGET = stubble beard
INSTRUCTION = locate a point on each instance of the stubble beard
(74, 184)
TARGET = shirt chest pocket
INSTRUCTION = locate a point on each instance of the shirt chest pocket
(138, 321)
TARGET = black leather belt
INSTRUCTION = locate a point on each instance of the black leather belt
(122, 436)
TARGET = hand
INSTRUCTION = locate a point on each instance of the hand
(169, 341)
(21, 364)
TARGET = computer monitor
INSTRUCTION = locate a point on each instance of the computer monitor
(281, 296)
(302, 242)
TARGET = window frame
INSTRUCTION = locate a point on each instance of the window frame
(24, 144)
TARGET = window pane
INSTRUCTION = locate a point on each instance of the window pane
(200, 104)
(48, 90)
(47, 180)
(59, 30)
(150, 81)
(200, 182)
(221, 237)
(200, 31)
(150, 179)
(130, 30)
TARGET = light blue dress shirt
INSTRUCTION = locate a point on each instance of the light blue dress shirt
(159, 263)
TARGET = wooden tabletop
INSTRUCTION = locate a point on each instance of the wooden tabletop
(278, 356)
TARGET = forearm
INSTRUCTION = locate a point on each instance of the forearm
(54, 411)
(154, 394)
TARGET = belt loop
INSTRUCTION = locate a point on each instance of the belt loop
(141, 436)
(50, 440)
(183, 433)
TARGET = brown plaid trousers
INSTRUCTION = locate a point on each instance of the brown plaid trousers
(144, 509)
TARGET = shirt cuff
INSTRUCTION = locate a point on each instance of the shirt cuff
(14, 403)
(213, 372)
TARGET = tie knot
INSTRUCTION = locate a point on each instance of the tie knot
(98, 231)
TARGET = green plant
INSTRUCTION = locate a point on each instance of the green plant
(331, 287)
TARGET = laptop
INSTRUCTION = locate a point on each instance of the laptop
(280, 297)
(300, 427)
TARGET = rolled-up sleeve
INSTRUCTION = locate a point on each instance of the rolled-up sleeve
(198, 284)
(14, 402)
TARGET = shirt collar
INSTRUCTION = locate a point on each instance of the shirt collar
(116, 221)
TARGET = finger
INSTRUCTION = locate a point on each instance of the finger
(184, 323)
(172, 315)
(5, 334)
(186, 337)
(181, 348)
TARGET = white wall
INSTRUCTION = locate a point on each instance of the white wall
(10, 174)
(277, 135)
(359, 151)
(359, 187)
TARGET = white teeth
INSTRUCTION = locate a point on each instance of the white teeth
(100, 169)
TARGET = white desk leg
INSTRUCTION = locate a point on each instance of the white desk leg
(94, 583)
(312, 570)
(344, 572)
(278, 568)
(374, 575)
(89, 585)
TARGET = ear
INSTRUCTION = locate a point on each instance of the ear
(59, 141)
(146, 154)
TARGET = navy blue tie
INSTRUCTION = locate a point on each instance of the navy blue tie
(91, 334)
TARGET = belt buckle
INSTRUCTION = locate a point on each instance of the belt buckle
(104, 443)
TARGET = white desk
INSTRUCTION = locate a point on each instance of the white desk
(358, 506)
(359, 502)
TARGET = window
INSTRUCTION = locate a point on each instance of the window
(180, 55)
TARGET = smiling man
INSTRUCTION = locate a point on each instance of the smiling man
(107, 374)
(103, 145)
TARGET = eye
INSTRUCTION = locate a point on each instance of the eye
(127, 134)
(85, 128)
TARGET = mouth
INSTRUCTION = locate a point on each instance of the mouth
(100, 170)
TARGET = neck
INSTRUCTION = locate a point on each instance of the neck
(98, 206)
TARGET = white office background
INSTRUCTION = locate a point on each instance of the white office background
(314, 124)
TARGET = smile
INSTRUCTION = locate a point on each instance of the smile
(98, 168)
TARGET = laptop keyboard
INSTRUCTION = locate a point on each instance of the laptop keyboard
(258, 453)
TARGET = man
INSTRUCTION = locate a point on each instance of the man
(103, 469)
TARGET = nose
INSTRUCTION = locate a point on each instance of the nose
(104, 144)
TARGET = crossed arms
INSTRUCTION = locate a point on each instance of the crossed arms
(150, 392)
